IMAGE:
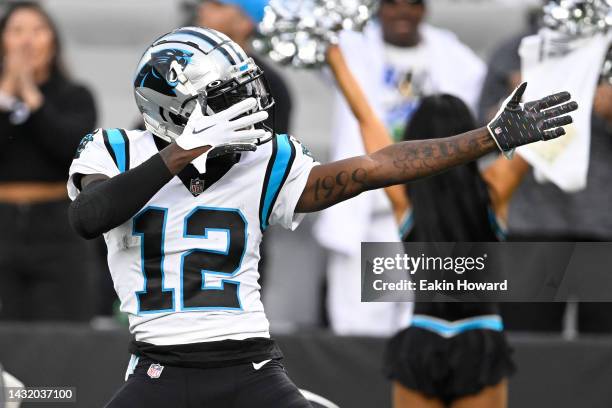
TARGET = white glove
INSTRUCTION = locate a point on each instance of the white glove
(222, 131)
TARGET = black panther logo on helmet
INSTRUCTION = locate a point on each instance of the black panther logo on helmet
(154, 74)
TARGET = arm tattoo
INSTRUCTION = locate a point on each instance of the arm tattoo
(426, 157)
(395, 164)
(325, 188)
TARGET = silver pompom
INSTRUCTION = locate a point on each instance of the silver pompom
(298, 32)
(578, 18)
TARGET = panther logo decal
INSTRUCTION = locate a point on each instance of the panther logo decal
(154, 74)
(83, 145)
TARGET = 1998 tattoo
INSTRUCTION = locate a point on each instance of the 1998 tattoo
(342, 179)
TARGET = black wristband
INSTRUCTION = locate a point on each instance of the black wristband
(105, 205)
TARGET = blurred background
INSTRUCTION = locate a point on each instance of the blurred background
(558, 363)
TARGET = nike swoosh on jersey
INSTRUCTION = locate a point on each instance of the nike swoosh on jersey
(257, 366)
(195, 132)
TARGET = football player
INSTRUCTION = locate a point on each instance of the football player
(183, 207)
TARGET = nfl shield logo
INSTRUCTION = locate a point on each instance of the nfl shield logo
(196, 187)
(155, 370)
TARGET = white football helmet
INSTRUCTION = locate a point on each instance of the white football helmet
(191, 65)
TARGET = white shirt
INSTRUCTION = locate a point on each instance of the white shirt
(406, 79)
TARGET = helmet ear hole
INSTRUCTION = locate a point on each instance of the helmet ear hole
(172, 76)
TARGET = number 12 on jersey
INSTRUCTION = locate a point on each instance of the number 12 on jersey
(150, 225)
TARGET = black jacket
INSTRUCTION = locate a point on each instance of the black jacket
(42, 148)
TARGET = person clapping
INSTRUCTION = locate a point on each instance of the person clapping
(43, 115)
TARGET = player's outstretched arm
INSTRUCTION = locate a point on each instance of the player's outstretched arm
(329, 184)
(516, 124)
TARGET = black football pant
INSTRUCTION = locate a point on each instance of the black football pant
(239, 386)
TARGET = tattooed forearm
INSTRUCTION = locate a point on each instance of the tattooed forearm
(400, 163)
(413, 160)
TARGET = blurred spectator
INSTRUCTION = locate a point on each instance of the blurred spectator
(44, 266)
(238, 19)
(543, 212)
(398, 59)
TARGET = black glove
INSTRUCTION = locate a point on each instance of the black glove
(518, 124)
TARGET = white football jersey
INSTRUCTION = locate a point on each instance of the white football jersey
(185, 266)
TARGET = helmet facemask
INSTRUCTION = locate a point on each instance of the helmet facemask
(219, 95)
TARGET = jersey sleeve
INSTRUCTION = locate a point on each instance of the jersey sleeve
(92, 157)
(286, 179)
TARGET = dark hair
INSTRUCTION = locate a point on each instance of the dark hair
(57, 67)
(452, 206)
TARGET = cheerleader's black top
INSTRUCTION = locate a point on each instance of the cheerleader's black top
(453, 311)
